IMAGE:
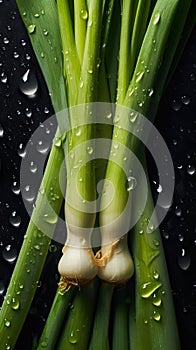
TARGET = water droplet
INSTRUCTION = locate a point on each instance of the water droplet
(150, 92)
(4, 78)
(9, 254)
(51, 218)
(185, 100)
(42, 147)
(15, 219)
(28, 194)
(132, 183)
(156, 300)
(109, 115)
(184, 259)
(28, 84)
(52, 248)
(28, 112)
(6, 40)
(191, 169)
(72, 338)
(176, 105)
(15, 188)
(192, 77)
(90, 71)
(15, 304)
(157, 18)
(178, 211)
(150, 228)
(31, 28)
(46, 110)
(148, 288)
(181, 237)
(33, 167)
(16, 54)
(115, 145)
(45, 32)
(57, 141)
(90, 150)
(1, 131)
(81, 84)
(165, 234)
(156, 275)
(139, 76)
(2, 287)
(156, 316)
(84, 14)
(42, 54)
(7, 323)
(21, 150)
(133, 116)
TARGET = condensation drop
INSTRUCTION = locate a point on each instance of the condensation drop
(132, 183)
(148, 288)
(72, 338)
(15, 188)
(90, 150)
(191, 169)
(33, 167)
(133, 116)
(176, 105)
(42, 147)
(157, 18)
(178, 211)
(1, 131)
(156, 316)
(14, 219)
(31, 28)
(9, 254)
(84, 14)
(184, 259)
(28, 194)
(2, 287)
(29, 84)
(185, 100)
(21, 150)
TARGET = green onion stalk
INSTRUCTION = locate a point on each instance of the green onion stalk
(78, 58)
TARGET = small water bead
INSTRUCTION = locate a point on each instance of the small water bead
(46, 110)
(132, 183)
(7, 322)
(156, 316)
(28, 112)
(72, 338)
(178, 211)
(16, 54)
(57, 141)
(45, 32)
(6, 40)
(150, 228)
(157, 301)
(33, 167)
(42, 54)
(9, 254)
(84, 14)
(1, 131)
(150, 92)
(148, 288)
(31, 28)
(139, 76)
(4, 78)
(15, 188)
(157, 18)
(185, 100)
(15, 304)
(156, 275)
(90, 150)
(28, 194)
(29, 84)
(181, 237)
(156, 242)
(192, 77)
(42, 147)
(15, 219)
(184, 259)
(191, 169)
(51, 218)
(78, 131)
(21, 150)
(133, 116)
(2, 287)
(176, 105)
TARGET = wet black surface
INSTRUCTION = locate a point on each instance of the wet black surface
(21, 114)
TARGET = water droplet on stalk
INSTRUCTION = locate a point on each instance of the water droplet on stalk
(31, 28)
(185, 100)
(84, 14)
(148, 288)
(133, 116)
(90, 150)
(7, 323)
(33, 167)
(156, 316)
(157, 18)
(72, 338)
(42, 147)
(132, 183)
(15, 304)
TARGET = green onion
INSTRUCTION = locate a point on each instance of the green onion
(33, 252)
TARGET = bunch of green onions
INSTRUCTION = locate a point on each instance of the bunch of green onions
(120, 52)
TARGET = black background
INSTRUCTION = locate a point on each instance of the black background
(176, 122)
